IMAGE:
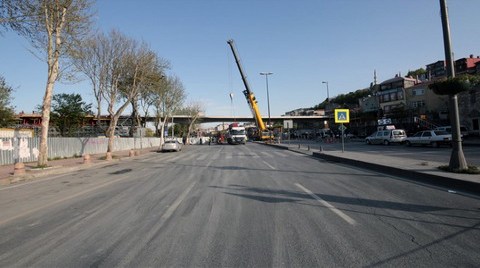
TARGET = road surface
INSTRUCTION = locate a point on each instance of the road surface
(235, 206)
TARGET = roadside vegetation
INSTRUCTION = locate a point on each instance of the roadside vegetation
(122, 71)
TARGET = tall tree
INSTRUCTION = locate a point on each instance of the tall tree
(53, 27)
(90, 59)
(194, 110)
(151, 79)
(68, 112)
(128, 66)
(170, 95)
(7, 115)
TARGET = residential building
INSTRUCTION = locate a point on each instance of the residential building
(466, 65)
(425, 104)
(436, 70)
(391, 94)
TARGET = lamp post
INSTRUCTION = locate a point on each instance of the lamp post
(328, 95)
(268, 98)
(328, 100)
(457, 158)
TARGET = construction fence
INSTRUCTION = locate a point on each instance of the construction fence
(26, 149)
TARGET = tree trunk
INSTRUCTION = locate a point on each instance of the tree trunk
(111, 133)
(162, 136)
(47, 101)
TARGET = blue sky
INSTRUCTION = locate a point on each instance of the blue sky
(302, 42)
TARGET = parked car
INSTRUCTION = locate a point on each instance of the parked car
(463, 130)
(171, 146)
(430, 137)
(387, 136)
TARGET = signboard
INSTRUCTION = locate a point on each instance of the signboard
(342, 116)
(287, 124)
(384, 121)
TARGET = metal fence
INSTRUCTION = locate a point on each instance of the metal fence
(26, 149)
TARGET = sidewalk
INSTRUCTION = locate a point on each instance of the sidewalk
(414, 169)
(65, 165)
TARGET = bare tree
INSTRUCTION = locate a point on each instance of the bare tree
(128, 68)
(53, 27)
(170, 95)
(194, 110)
(150, 92)
(90, 59)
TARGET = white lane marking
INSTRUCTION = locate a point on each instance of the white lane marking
(34, 182)
(280, 154)
(328, 205)
(138, 247)
(254, 155)
(175, 158)
(177, 203)
(62, 200)
(202, 156)
(268, 165)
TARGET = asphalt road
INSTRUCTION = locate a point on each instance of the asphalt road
(235, 206)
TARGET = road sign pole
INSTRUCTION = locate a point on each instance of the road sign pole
(343, 141)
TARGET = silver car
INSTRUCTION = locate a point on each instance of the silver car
(171, 146)
(387, 136)
(430, 137)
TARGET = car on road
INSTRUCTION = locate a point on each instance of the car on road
(171, 146)
(463, 130)
(434, 138)
(387, 136)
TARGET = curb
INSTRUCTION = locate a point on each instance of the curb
(437, 180)
(432, 179)
(58, 170)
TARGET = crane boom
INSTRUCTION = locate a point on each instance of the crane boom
(252, 102)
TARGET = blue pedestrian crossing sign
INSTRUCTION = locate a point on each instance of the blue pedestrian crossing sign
(342, 116)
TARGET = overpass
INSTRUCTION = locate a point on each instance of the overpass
(226, 119)
(125, 120)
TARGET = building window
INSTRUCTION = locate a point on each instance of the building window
(418, 104)
(385, 97)
(418, 92)
(400, 95)
(393, 96)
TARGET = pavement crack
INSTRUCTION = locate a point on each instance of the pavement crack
(412, 238)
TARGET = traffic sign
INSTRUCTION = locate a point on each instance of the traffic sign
(342, 128)
(342, 116)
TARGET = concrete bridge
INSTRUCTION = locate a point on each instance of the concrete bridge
(227, 119)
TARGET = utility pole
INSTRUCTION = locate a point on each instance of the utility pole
(457, 158)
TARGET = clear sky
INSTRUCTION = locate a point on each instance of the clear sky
(302, 42)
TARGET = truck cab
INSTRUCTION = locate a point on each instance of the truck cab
(236, 134)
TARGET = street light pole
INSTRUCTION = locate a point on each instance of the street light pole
(328, 95)
(328, 101)
(457, 158)
(268, 98)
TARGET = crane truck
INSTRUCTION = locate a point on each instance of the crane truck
(263, 133)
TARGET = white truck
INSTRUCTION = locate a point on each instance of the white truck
(236, 134)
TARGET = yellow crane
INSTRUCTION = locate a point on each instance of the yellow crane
(263, 134)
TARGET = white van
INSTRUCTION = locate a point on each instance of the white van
(463, 130)
(387, 136)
